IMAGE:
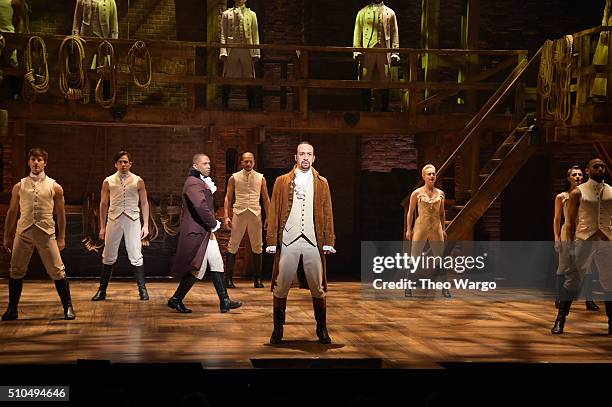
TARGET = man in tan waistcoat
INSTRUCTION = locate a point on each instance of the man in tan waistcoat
(121, 220)
(590, 230)
(248, 186)
(300, 228)
(35, 198)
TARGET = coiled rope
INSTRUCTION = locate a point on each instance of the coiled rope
(139, 56)
(107, 70)
(35, 84)
(555, 76)
(72, 84)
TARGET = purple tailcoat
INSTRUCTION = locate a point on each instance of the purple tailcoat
(196, 225)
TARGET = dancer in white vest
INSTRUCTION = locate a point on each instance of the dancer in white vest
(300, 227)
(590, 228)
(248, 186)
(35, 198)
(574, 178)
(122, 220)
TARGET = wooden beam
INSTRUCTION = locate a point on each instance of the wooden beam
(321, 122)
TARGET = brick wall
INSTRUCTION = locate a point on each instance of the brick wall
(80, 157)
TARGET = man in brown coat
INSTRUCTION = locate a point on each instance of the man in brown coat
(300, 227)
(197, 246)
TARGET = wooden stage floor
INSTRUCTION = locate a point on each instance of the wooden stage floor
(407, 333)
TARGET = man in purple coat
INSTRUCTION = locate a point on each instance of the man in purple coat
(197, 246)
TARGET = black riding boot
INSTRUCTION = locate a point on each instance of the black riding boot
(139, 273)
(176, 301)
(587, 289)
(559, 280)
(257, 262)
(320, 311)
(15, 285)
(229, 270)
(565, 303)
(279, 306)
(107, 272)
(63, 290)
(225, 304)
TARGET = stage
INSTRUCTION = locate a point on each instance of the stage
(407, 333)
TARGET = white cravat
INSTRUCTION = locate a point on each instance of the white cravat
(37, 177)
(208, 181)
(213, 188)
(301, 183)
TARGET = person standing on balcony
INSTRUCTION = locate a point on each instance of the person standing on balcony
(239, 26)
(376, 27)
(589, 218)
(574, 178)
(248, 186)
(599, 87)
(429, 226)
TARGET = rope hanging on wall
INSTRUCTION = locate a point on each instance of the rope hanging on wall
(36, 78)
(555, 76)
(153, 229)
(170, 215)
(90, 220)
(107, 70)
(72, 83)
(139, 57)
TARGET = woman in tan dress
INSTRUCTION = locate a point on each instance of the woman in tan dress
(429, 225)
(574, 178)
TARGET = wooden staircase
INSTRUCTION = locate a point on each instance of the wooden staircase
(495, 176)
(503, 165)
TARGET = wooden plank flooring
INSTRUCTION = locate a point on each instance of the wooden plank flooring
(407, 333)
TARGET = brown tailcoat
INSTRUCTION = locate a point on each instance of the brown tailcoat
(280, 208)
(196, 225)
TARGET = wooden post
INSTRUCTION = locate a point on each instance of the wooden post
(519, 101)
(583, 82)
(413, 95)
(469, 40)
(214, 9)
(303, 90)
(191, 88)
(429, 33)
(609, 73)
